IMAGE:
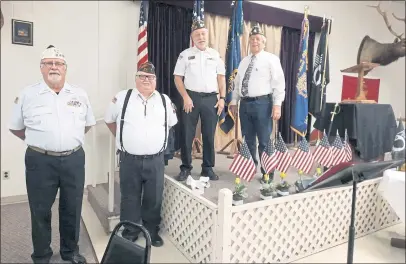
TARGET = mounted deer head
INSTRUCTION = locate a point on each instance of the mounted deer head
(384, 54)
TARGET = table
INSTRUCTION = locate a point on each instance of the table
(371, 128)
(392, 189)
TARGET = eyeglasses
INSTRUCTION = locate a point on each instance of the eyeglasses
(57, 64)
(144, 77)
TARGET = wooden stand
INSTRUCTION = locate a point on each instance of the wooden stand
(235, 143)
(197, 151)
(360, 69)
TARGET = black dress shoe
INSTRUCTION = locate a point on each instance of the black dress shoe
(75, 258)
(156, 240)
(182, 176)
(130, 235)
(209, 173)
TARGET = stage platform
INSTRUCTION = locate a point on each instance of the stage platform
(227, 178)
(209, 229)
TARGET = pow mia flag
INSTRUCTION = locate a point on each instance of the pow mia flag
(321, 74)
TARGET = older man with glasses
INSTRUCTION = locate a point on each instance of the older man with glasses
(52, 118)
(140, 120)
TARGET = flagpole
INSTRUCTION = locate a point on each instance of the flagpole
(323, 83)
(233, 54)
(306, 13)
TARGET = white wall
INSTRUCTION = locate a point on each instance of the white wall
(352, 20)
(99, 40)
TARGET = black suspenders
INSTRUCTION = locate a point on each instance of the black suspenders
(127, 97)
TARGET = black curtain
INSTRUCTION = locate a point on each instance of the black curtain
(169, 29)
(289, 56)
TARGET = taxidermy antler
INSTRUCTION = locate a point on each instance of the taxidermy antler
(384, 54)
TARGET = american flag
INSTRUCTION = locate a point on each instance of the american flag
(269, 159)
(243, 165)
(303, 158)
(338, 151)
(142, 35)
(198, 14)
(323, 154)
(283, 155)
(347, 147)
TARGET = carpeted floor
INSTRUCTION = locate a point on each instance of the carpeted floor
(16, 245)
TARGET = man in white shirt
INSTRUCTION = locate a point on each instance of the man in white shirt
(52, 118)
(142, 139)
(204, 73)
(260, 87)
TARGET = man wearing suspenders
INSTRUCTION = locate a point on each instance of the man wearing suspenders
(140, 120)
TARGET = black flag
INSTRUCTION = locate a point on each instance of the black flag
(321, 74)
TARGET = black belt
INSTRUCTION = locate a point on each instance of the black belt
(250, 99)
(202, 94)
(141, 156)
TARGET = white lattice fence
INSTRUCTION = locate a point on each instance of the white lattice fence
(286, 229)
(190, 221)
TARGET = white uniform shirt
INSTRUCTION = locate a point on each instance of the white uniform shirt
(143, 130)
(200, 69)
(267, 77)
(53, 122)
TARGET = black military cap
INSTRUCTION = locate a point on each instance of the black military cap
(147, 67)
(197, 24)
(255, 30)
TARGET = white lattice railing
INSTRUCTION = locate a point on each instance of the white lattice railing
(279, 230)
(190, 221)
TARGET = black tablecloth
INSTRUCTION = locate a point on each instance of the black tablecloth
(371, 128)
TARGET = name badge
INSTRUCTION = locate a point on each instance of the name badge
(74, 103)
(191, 57)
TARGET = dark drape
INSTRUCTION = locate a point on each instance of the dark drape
(289, 56)
(169, 29)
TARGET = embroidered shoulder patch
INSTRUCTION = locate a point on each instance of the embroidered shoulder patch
(16, 100)
(114, 100)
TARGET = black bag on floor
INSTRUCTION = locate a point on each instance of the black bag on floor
(120, 250)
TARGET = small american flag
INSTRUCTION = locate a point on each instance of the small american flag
(323, 154)
(347, 147)
(338, 151)
(269, 159)
(283, 155)
(142, 56)
(243, 165)
(303, 158)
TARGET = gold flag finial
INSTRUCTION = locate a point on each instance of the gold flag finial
(306, 11)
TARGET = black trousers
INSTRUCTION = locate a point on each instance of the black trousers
(141, 185)
(44, 175)
(204, 108)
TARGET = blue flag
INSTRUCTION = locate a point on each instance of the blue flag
(300, 113)
(233, 58)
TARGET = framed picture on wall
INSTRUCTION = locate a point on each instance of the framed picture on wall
(22, 32)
